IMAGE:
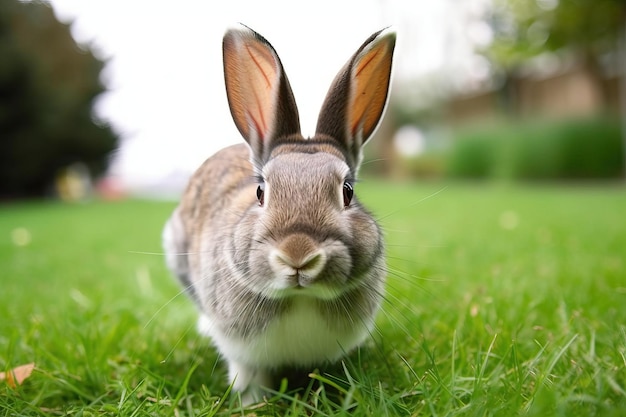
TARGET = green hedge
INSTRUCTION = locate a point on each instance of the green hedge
(572, 149)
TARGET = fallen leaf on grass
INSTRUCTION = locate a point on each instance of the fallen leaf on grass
(17, 375)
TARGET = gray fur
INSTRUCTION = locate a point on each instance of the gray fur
(267, 277)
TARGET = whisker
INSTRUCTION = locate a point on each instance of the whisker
(168, 302)
(136, 252)
(413, 204)
(371, 161)
(408, 277)
(180, 339)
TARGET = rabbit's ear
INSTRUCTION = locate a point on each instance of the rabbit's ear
(259, 95)
(357, 97)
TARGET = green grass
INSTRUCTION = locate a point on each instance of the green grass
(502, 300)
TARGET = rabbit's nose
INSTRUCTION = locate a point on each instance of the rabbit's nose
(298, 255)
(309, 266)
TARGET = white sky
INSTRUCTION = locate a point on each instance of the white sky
(167, 96)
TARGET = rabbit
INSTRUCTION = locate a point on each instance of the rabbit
(286, 267)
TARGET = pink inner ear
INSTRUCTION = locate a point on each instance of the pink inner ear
(363, 64)
(370, 84)
(252, 73)
(260, 77)
(258, 126)
(262, 69)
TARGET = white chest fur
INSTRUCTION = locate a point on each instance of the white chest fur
(300, 337)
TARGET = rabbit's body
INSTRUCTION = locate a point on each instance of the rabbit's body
(286, 267)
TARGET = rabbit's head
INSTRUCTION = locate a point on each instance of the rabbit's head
(306, 232)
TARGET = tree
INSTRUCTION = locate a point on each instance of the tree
(48, 86)
(588, 29)
(526, 28)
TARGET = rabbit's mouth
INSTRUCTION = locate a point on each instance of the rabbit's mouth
(298, 285)
(317, 290)
(303, 267)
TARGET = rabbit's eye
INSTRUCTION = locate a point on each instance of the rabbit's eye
(259, 193)
(348, 192)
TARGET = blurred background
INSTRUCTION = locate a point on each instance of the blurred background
(114, 98)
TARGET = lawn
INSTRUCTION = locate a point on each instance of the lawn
(502, 300)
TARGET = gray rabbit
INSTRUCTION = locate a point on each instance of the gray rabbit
(269, 240)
